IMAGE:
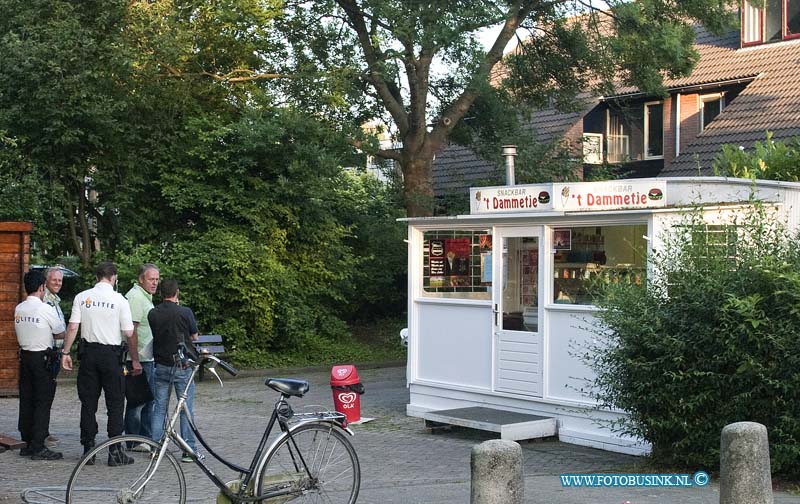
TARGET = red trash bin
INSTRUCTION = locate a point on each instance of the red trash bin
(347, 389)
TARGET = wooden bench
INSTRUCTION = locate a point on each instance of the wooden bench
(209, 344)
(9, 443)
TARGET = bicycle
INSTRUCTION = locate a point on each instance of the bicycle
(311, 459)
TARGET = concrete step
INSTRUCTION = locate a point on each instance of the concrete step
(509, 424)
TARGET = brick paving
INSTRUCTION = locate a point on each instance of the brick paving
(401, 460)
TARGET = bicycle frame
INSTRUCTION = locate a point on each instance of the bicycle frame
(250, 475)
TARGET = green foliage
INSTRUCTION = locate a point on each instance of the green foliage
(376, 341)
(369, 209)
(62, 102)
(22, 197)
(770, 159)
(711, 341)
(273, 244)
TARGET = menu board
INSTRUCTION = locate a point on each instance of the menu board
(436, 261)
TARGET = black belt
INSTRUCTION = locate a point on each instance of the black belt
(102, 346)
(35, 351)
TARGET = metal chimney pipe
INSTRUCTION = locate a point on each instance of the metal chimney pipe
(510, 152)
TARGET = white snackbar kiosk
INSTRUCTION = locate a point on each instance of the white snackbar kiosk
(499, 305)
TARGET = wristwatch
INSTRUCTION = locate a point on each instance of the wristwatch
(65, 353)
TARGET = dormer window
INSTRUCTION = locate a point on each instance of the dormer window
(710, 107)
(792, 18)
(770, 21)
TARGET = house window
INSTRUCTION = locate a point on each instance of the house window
(620, 125)
(593, 148)
(654, 130)
(751, 23)
(793, 18)
(770, 21)
(710, 107)
(773, 23)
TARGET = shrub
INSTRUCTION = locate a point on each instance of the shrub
(770, 159)
(713, 340)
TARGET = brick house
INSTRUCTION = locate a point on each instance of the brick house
(745, 83)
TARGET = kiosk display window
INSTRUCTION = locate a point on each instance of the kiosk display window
(596, 254)
(457, 264)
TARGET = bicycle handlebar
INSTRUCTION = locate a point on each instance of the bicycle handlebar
(224, 365)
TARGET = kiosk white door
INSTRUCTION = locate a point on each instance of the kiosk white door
(515, 300)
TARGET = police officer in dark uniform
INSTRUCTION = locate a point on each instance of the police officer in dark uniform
(105, 318)
(36, 324)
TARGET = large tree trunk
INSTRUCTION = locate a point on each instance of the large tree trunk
(78, 227)
(417, 186)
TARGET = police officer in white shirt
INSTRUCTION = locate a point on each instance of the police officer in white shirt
(105, 317)
(36, 324)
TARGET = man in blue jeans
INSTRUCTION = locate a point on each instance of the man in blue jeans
(171, 325)
(140, 298)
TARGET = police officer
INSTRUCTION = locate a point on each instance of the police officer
(105, 317)
(54, 279)
(36, 324)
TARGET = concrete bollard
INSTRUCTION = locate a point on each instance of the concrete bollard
(497, 473)
(745, 476)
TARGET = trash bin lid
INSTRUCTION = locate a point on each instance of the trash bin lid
(346, 374)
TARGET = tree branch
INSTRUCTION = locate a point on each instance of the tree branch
(382, 153)
(518, 12)
(236, 76)
(382, 86)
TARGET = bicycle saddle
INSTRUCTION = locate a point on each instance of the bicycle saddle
(288, 386)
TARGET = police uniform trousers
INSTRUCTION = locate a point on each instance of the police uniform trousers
(36, 391)
(100, 370)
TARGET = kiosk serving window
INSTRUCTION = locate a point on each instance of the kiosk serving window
(457, 264)
(587, 255)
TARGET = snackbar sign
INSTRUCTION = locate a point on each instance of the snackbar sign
(579, 196)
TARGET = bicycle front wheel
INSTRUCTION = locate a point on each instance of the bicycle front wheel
(317, 463)
(124, 470)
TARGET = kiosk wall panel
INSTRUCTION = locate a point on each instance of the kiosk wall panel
(463, 332)
(567, 376)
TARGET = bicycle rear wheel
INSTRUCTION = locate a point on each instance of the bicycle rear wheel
(110, 479)
(330, 458)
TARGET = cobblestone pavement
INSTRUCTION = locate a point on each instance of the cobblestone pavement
(401, 461)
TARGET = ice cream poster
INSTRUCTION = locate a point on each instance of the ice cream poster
(436, 262)
(457, 252)
(485, 246)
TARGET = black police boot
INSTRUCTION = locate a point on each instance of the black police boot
(46, 454)
(86, 449)
(118, 457)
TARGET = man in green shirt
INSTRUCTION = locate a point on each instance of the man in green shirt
(140, 297)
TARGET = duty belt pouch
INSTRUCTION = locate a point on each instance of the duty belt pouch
(53, 361)
(122, 353)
